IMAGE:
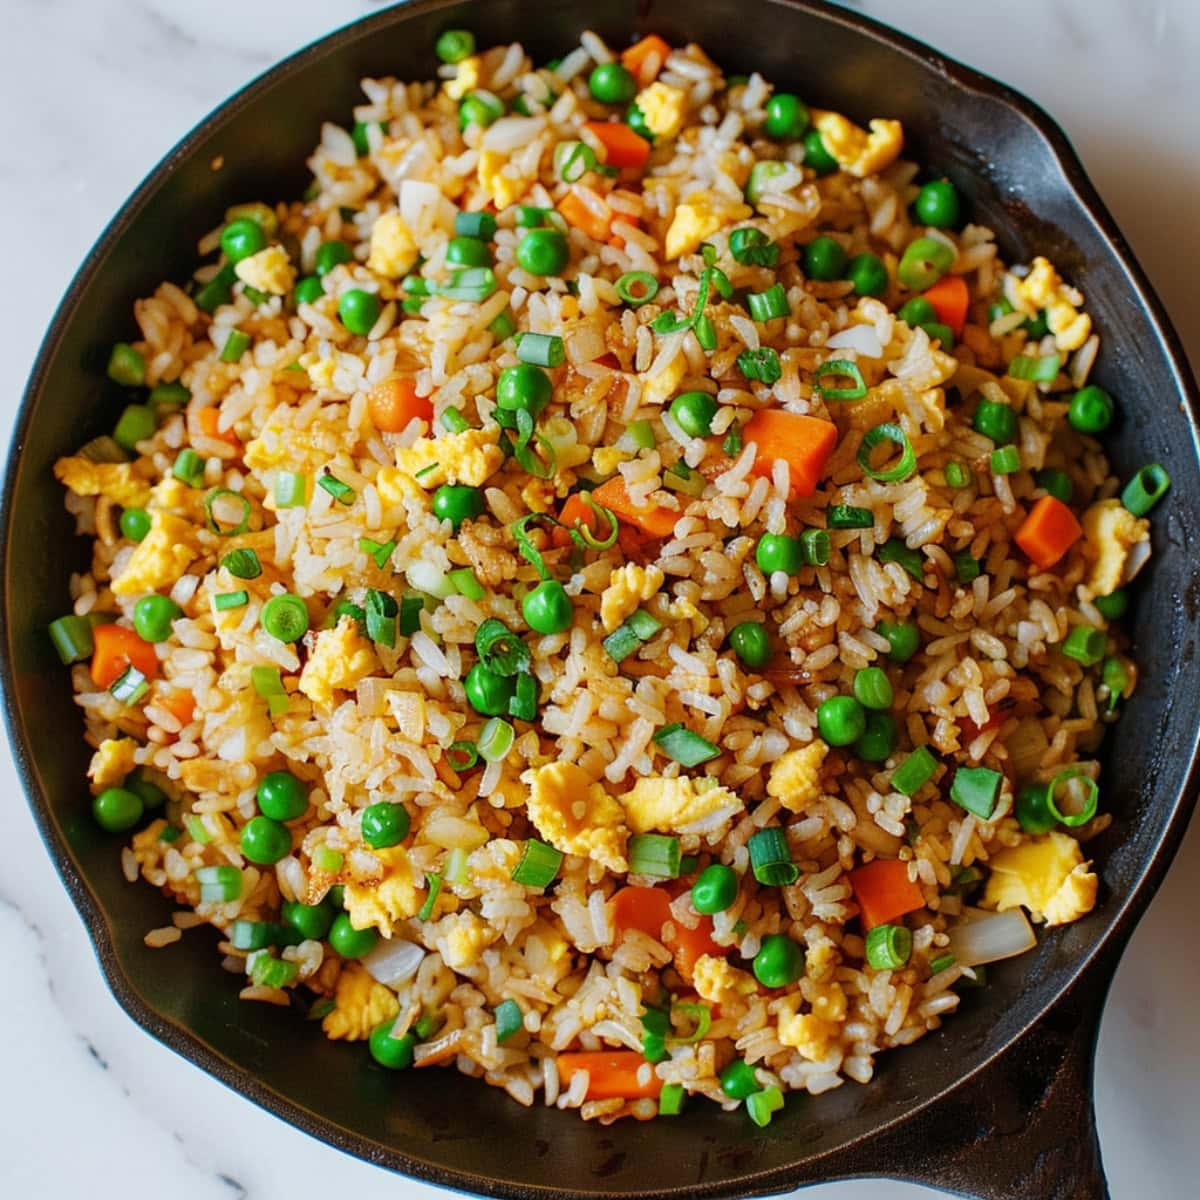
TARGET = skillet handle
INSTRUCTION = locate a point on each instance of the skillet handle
(1025, 1126)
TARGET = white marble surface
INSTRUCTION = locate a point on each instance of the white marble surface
(93, 92)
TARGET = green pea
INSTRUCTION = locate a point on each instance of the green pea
(152, 617)
(308, 290)
(816, 153)
(779, 961)
(1112, 607)
(1033, 812)
(467, 252)
(348, 941)
(778, 552)
(487, 692)
(693, 412)
(1092, 409)
(281, 796)
(395, 1053)
(1037, 327)
(787, 117)
(548, 608)
(842, 720)
(715, 889)
(612, 83)
(924, 261)
(117, 809)
(824, 259)
(135, 524)
(453, 45)
(917, 312)
(478, 110)
(385, 824)
(868, 274)
(543, 252)
(873, 689)
(738, 1080)
(456, 503)
(636, 120)
(902, 637)
(878, 740)
(330, 255)
(336, 896)
(524, 386)
(242, 238)
(150, 794)
(751, 643)
(359, 310)
(937, 204)
(265, 841)
(311, 921)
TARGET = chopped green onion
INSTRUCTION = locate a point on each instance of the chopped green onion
(225, 882)
(412, 605)
(654, 854)
(529, 216)
(433, 889)
(1087, 802)
(1032, 810)
(103, 449)
(701, 1016)
(214, 525)
(941, 963)
(189, 467)
(637, 288)
(382, 610)
(966, 567)
(453, 421)
(1005, 460)
(475, 284)
(626, 638)
(465, 582)
(509, 1019)
(765, 306)
(895, 551)
(130, 686)
(523, 703)
(236, 344)
(815, 547)
(126, 365)
(1115, 677)
(224, 601)
(326, 859)
(1146, 489)
(670, 1099)
(1036, 370)
(528, 550)
(291, 489)
(462, 756)
(761, 364)
(771, 858)
(706, 333)
(285, 617)
(167, 397)
(273, 972)
(684, 746)
(679, 477)
(455, 872)
(136, 423)
(760, 1106)
(888, 433)
(541, 349)
(996, 421)
(654, 1047)
(1085, 644)
(732, 445)
(846, 516)
(343, 493)
(976, 790)
(752, 248)
(501, 650)
(889, 946)
(217, 291)
(573, 160)
(343, 608)
(242, 564)
(840, 368)
(495, 740)
(644, 624)
(72, 638)
(538, 866)
(957, 476)
(475, 224)
(196, 828)
(379, 551)
(502, 328)
(268, 684)
(638, 435)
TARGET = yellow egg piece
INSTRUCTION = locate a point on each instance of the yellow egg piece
(679, 805)
(338, 660)
(359, 1005)
(576, 815)
(795, 778)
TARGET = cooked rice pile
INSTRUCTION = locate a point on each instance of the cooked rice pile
(364, 722)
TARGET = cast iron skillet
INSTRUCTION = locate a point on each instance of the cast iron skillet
(998, 1104)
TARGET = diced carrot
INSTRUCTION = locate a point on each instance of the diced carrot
(648, 909)
(207, 419)
(949, 299)
(623, 147)
(575, 510)
(394, 403)
(1048, 532)
(117, 648)
(655, 520)
(689, 945)
(804, 443)
(581, 215)
(611, 1074)
(645, 59)
(181, 704)
(884, 891)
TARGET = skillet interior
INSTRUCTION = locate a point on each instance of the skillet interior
(438, 1125)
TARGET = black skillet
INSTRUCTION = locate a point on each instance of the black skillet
(998, 1104)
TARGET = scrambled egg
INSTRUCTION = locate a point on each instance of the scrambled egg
(503, 188)
(677, 805)
(795, 779)
(466, 79)
(700, 217)
(111, 763)
(576, 815)
(359, 1005)
(606, 459)
(664, 108)
(1044, 288)
(628, 586)
(1047, 875)
(718, 982)
(819, 960)
(658, 389)
(467, 939)
(805, 1032)
(114, 480)
(339, 658)
(470, 457)
(857, 151)
(1110, 530)
(393, 247)
(393, 898)
(269, 270)
(159, 559)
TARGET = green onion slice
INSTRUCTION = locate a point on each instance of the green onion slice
(654, 854)
(888, 433)
(382, 611)
(1084, 795)
(915, 771)
(1037, 370)
(528, 550)
(224, 601)
(379, 551)
(433, 889)
(475, 284)
(889, 947)
(501, 650)
(573, 160)
(771, 858)
(976, 790)
(523, 703)
(541, 349)
(685, 746)
(752, 248)
(343, 493)
(761, 364)
(130, 686)
(839, 368)
(582, 535)
(700, 1016)
(72, 638)
(462, 756)
(509, 1019)
(290, 490)
(242, 564)
(846, 516)
(538, 866)
(637, 288)
(495, 740)
(214, 525)
(1146, 489)
(913, 561)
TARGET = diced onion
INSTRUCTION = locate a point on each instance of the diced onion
(991, 937)
(861, 338)
(393, 961)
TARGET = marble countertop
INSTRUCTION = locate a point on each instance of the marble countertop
(95, 91)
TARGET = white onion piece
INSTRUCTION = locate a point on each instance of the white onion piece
(393, 961)
(1139, 556)
(991, 937)
(862, 338)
